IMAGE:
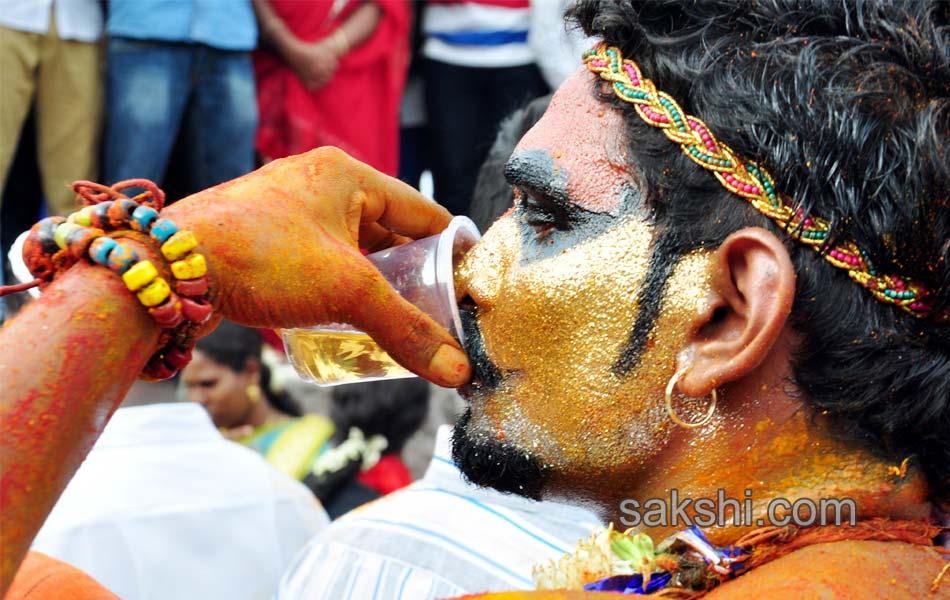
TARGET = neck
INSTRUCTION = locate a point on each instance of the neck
(766, 449)
(259, 413)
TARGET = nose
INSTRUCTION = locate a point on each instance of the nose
(481, 272)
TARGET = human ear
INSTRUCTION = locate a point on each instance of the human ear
(752, 290)
(252, 370)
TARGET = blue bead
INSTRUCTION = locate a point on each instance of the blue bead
(102, 251)
(162, 229)
(143, 217)
(122, 258)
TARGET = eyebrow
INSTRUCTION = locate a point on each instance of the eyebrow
(534, 171)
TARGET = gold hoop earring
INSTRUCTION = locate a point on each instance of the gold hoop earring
(253, 392)
(669, 404)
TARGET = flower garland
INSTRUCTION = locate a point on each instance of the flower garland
(354, 448)
(688, 565)
(630, 563)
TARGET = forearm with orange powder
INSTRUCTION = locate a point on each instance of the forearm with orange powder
(66, 362)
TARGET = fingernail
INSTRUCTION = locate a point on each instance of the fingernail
(450, 364)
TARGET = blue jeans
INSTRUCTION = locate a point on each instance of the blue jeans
(155, 88)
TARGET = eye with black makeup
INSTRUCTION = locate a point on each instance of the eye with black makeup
(541, 213)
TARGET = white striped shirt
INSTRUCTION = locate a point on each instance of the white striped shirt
(477, 33)
(440, 537)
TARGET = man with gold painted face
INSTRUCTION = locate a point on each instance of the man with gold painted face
(727, 273)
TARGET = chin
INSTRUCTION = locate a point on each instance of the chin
(487, 461)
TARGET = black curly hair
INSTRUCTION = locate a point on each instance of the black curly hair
(395, 409)
(848, 105)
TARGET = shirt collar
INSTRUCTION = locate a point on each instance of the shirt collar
(444, 473)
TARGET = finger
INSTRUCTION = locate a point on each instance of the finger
(373, 237)
(396, 240)
(400, 208)
(410, 336)
(368, 196)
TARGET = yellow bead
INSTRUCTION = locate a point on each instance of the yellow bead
(190, 268)
(82, 217)
(154, 293)
(62, 231)
(140, 275)
(179, 245)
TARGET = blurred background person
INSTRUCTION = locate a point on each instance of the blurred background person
(373, 422)
(180, 66)
(332, 73)
(413, 151)
(557, 48)
(227, 375)
(20, 207)
(479, 67)
(49, 59)
(493, 195)
(165, 507)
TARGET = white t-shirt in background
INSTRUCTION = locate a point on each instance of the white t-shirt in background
(164, 507)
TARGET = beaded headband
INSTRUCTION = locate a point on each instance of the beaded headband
(751, 181)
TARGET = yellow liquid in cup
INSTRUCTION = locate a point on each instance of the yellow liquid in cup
(329, 356)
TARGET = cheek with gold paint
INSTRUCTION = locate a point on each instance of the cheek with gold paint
(555, 328)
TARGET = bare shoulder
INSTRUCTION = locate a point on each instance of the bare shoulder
(850, 569)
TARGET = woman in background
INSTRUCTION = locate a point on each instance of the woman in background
(228, 377)
(332, 74)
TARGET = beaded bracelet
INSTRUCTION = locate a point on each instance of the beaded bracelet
(56, 243)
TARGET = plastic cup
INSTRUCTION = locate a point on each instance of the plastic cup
(423, 273)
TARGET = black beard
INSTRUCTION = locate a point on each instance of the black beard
(485, 375)
(495, 464)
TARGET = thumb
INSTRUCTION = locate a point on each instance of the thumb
(410, 336)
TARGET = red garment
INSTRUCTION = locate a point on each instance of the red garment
(388, 475)
(358, 109)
